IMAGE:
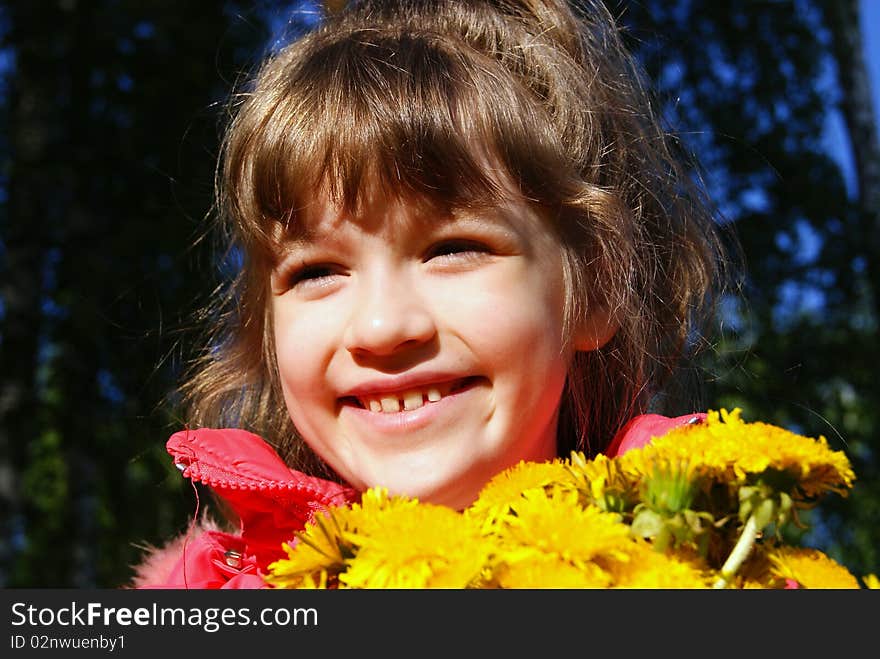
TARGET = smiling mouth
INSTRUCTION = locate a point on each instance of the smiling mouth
(411, 399)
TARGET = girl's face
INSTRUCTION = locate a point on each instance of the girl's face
(422, 353)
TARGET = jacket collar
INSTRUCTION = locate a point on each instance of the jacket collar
(270, 500)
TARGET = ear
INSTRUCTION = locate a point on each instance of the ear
(597, 329)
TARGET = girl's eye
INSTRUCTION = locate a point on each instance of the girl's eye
(312, 275)
(457, 250)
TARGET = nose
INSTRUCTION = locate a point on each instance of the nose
(389, 315)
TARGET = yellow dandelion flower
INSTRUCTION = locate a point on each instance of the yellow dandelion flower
(605, 482)
(314, 581)
(505, 488)
(646, 568)
(810, 568)
(366, 517)
(420, 545)
(555, 523)
(548, 571)
(871, 581)
(727, 449)
(318, 550)
(756, 571)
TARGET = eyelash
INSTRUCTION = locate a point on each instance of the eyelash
(311, 275)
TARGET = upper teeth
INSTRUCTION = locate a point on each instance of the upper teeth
(409, 400)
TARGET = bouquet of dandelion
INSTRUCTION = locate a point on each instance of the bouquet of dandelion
(704, 506)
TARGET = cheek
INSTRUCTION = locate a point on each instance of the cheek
(301, 343)
(298, 348)
(516, 313)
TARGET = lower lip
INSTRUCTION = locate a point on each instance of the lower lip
(407, 421)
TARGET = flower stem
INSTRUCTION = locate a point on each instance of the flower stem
(739, 553)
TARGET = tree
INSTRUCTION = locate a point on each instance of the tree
(112, 119)
(748, 86)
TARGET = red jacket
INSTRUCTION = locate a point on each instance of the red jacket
(272, 501)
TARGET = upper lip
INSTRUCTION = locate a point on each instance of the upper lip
(395, 384)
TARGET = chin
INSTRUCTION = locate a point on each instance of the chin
(456, 492)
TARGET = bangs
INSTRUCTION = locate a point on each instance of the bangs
(406, 115)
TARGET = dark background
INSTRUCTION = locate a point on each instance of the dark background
(111, 113)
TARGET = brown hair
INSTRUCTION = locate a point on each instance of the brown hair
(418, 96)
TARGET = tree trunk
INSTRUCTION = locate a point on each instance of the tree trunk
(861, 122)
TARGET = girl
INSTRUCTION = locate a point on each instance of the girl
(466, 242)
